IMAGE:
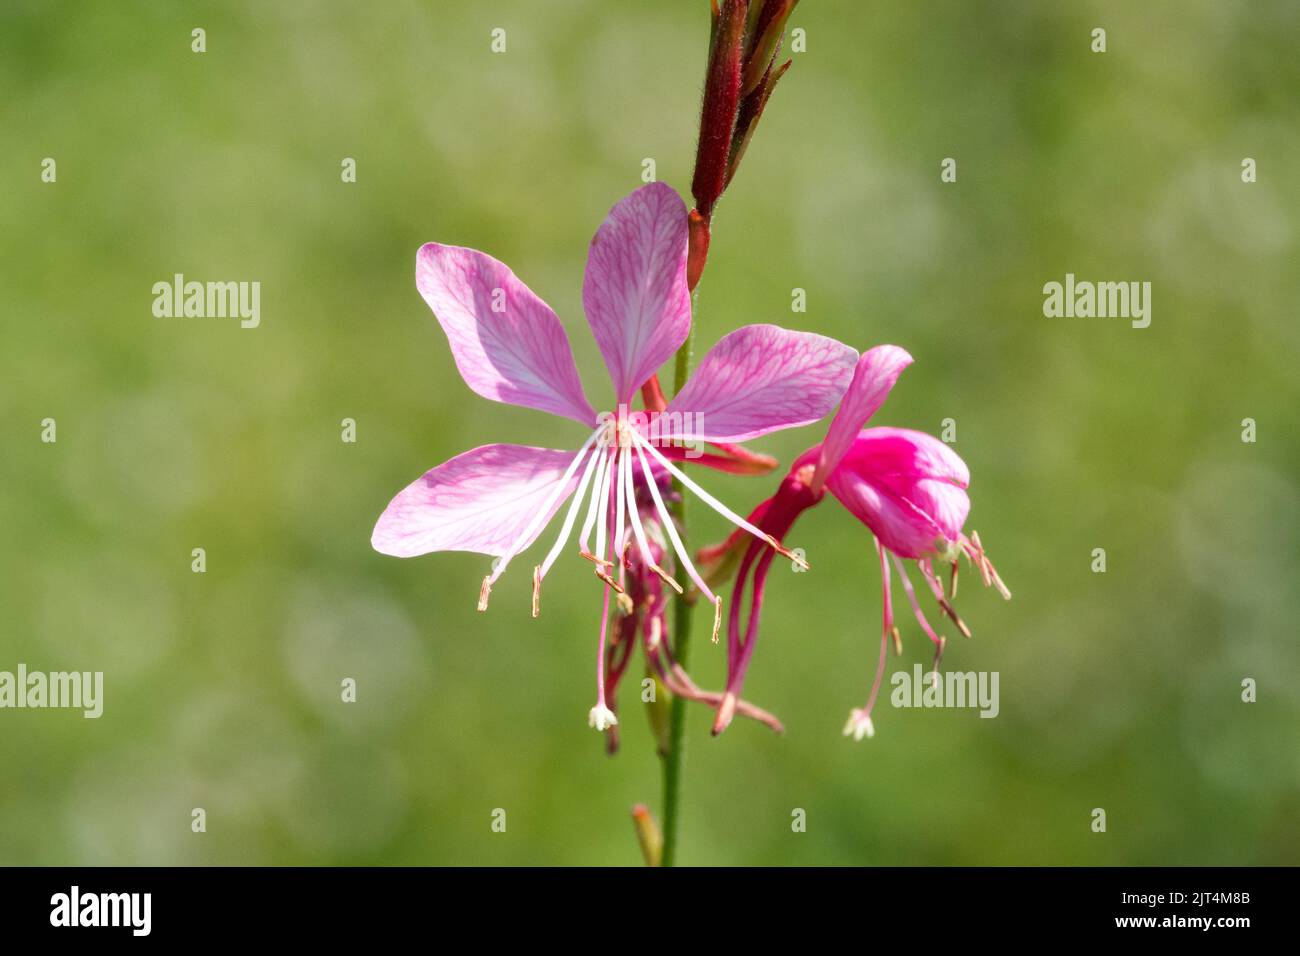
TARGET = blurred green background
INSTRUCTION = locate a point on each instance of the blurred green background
(1118, 690)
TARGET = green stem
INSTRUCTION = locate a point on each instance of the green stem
(676, 736)
(681, 638)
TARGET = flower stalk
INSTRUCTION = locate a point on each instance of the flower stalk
(744, 43)
(673, 757)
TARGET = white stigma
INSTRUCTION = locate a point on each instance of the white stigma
(601, 717)
(859, 725)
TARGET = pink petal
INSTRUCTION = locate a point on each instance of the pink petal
(507, 343)
(878, 369)
(906, 486)
(479, 501)
(899, 454)
(758, 379)
(634, 291)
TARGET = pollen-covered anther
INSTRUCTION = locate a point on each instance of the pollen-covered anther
(598, 562)
(975, 552)
(997, 581)
(952, 615)
(609, 580)
(667, 578)
(938, 657)
(537, 590)
(483, 591)
(625, 605)
(898, 640)
(798, 559)
(717, 618)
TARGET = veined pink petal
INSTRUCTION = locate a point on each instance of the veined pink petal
(908, 487)
(507, 343)
(877, 371)
(634, 290)
(480, 501)
(758, 379)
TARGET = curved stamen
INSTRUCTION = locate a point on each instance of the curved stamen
(975, 552)
(715, 504)
(936, 588)
(620, 524)
(920, 616)
(859, 724)
(593, 461)
(679, 549)
(593, 507)
(542, 514)
(602, 514)
(638, 531)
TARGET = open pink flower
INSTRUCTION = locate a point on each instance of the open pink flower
(510, 347)
(907, 487)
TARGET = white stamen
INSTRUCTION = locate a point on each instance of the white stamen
(704, 496)
(638, 529)
(543, 512)
(571, 518)
(589, 522)
(620, 525)
(671, 527)
(602, 517)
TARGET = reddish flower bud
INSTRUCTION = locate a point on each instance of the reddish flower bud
(767, 23)
(721, 101)
(698, 250)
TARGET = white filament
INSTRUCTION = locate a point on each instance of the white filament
(669, 526)
(543, 512)
(589, 521)
(700, 493)
(593, 460)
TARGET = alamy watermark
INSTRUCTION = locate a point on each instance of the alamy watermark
(1086, 300)
(976, 689)
(130, 910)
(77, 690)
(208, 300)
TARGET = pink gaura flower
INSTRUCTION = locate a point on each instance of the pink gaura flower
(509, 346)
(907, 487)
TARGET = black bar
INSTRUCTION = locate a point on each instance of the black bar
(212, 905)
